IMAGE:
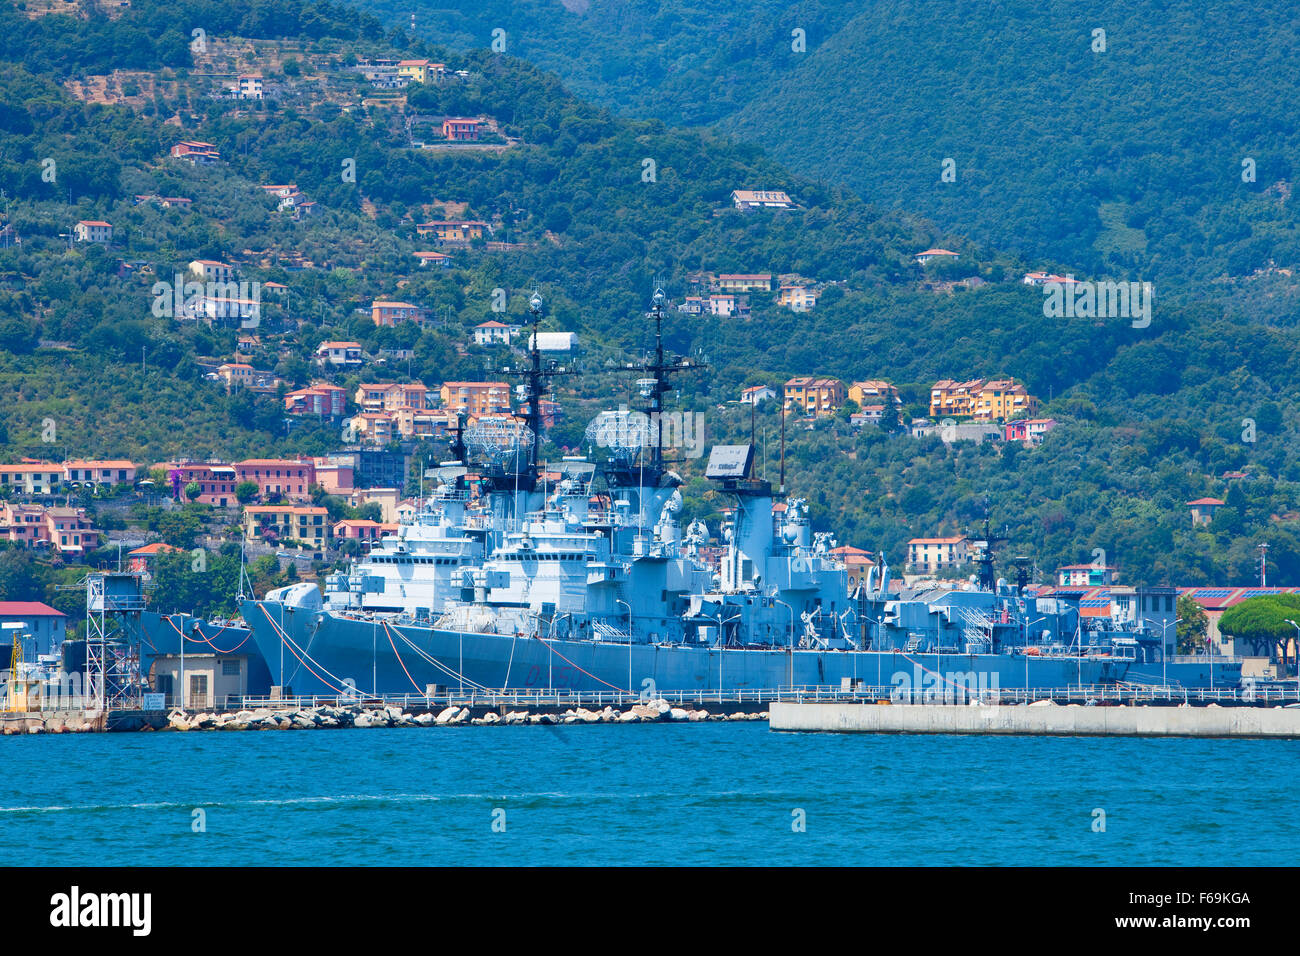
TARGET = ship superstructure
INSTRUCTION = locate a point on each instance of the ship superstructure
(579, 575)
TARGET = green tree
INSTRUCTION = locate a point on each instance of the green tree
(1193, 625)
(193, 490)
(1263, 622)
(245, 491)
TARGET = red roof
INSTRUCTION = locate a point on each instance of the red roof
(1206, 501)
(28, 609)
(157, 548)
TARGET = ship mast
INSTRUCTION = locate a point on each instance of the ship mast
(655, 386)
(535, 377)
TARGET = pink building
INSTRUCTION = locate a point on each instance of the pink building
(362, 529)
(321, 400)
(115, 472)
(334, 476)
(69, 530)
(460, 128)
(142, 560)
(278, 476)
(22, 524)
(216, 481)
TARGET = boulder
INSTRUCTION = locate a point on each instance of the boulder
(517, 717)
(629, 716)
(676, 713)
(448, 714)
(491, 717)
(422, 720)
(363, 720)
(698, 715)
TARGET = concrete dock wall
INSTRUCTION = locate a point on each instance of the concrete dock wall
(1073, 719)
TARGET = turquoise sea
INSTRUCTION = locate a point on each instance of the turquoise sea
(695, 794)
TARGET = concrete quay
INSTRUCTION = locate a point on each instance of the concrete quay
(1044, 718)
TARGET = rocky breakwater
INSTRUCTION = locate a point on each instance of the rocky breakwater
(53, 722)
(328, 717)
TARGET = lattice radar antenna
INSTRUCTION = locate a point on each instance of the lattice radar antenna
(624, 432)
(499, 442)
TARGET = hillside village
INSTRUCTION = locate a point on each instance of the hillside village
(349, 318)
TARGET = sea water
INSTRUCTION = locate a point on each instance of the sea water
(644, 794)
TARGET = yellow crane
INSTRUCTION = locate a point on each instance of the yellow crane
(15, 664)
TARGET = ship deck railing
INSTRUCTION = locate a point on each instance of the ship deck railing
(963, 695)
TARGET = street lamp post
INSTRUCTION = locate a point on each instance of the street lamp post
(790, 647)
(1164, 647)
(722, 645)
(629, 642)
(1024, 651)
(1297, 657)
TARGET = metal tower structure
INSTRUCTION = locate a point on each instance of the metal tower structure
(114, 600)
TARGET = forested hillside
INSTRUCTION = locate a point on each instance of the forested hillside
(1149, 417)
(1117, 153)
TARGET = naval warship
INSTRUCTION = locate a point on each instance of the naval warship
(518, 574)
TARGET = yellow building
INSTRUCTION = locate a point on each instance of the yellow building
(287, 523)
(797, 298)
(1003, 400)
(814, 396)
(926, 555)
(984, 400)
(31, 478)
(445, 231)
(873, 393)
(953, 399)
(415, 70)
(476, 399)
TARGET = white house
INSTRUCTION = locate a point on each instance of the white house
(209, 270)
(94, 230)
(761, 199)
(928, 254)
(757, 394)
(494, 332)
(342, 354)
(249, 87)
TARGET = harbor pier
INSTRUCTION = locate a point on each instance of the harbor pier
(1040, 718)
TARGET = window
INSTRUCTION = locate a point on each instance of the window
(230, 668)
